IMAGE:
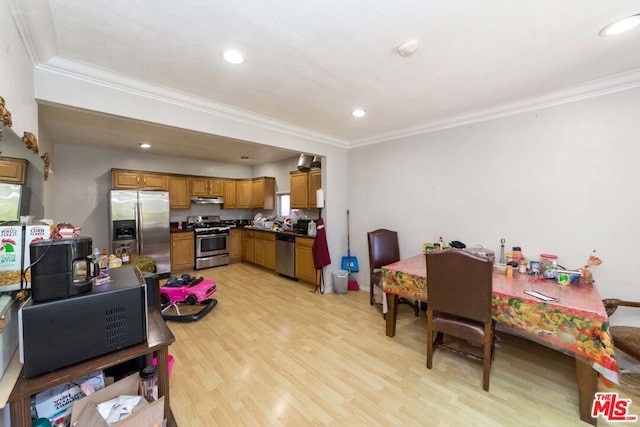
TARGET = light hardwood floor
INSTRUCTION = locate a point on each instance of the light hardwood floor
(272, 353)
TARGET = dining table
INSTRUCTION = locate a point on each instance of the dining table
(570, 318)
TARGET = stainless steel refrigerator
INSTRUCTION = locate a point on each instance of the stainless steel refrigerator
(14, 201)
(140, 221)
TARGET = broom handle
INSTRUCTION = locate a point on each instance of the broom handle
(348, 237)
(348, 248)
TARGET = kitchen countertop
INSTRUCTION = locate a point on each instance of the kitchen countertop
(294, 233)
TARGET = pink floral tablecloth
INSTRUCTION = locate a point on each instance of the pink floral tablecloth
(577, 322)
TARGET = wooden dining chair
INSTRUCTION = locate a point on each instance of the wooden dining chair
(625, 338)
(384, 249)
(459, 286)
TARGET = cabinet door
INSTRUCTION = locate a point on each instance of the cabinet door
(199, 187)
(315, 183)
(182, 251)
(13, 170)
(153, 181)
(179, 192)
(263, 193)
(248, 246)
(243, 188)
(235, 244)
(259, 251)
(229, 194)
(257, 193)
(124, 179)
(270, 254)
(216, 187)
(299, 190)
(305, 270)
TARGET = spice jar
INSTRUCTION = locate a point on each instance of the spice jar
(148, 384)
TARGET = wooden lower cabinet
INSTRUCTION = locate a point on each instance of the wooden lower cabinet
(235, 245)
(265, 249)
(259, 247)
(305, 269)
(248, 246)
(182, 251)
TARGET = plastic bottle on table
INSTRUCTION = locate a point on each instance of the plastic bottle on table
(441, 242)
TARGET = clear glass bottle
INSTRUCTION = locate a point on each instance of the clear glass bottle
(148, 384)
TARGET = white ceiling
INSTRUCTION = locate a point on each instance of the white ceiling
(309, 63)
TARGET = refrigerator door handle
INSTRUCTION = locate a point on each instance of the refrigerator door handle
(138, 212)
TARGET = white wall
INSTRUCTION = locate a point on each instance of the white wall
(559, 180)
(16, 87)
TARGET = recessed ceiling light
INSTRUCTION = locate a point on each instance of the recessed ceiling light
(620, 26)
(233, 56)
(408, 47)
(145, 145)
(359, 112)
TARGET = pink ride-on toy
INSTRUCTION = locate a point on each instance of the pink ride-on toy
(186, 289)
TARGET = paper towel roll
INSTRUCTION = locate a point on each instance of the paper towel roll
(320, 198)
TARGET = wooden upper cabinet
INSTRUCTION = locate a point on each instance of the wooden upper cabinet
(315, 183)
(126, 179)
(243, 193)
(207, 187)
(179, 192)
(263, 193)
(13, 170)
(303, 186)
(230, 199)
(299, 188)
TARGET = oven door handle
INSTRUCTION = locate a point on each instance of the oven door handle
(211, 235)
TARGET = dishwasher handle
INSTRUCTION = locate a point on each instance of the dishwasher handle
(286, 237)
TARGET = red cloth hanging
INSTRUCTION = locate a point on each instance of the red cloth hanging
(320, 250)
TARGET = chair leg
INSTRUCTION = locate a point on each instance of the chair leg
(370, 293)
(429, 339)
(488, 351)
(416, 308)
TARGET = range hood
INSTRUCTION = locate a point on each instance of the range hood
(207, 200)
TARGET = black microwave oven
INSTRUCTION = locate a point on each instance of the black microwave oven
(303, 226)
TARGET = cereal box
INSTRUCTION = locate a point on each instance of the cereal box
(33, 233)
(14, 253)
(10, 257)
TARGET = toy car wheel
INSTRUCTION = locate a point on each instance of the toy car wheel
(191, 300)
(164, 299)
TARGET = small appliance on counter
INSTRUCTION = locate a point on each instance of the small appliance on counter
(303, 226)
(61, 268)
(59, 333)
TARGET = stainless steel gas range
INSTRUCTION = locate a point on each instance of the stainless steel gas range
(212, 240)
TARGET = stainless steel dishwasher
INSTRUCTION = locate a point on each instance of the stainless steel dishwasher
(286, 255)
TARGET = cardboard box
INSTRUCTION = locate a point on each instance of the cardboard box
(50, 402)
(10, 257)
(85, 411)
(8, 329)
(13, 255)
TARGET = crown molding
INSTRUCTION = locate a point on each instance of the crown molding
(35, 14)
(93, 75)
(594, 88)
